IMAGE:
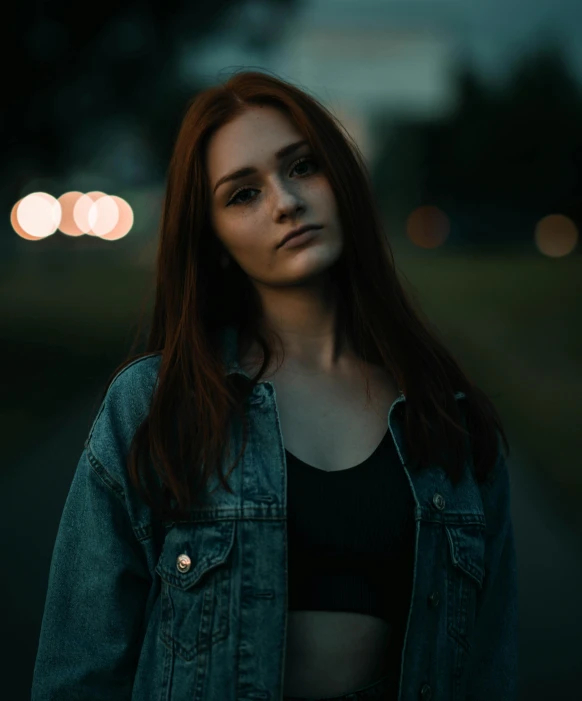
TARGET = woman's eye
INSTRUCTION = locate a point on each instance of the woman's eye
(235, 198)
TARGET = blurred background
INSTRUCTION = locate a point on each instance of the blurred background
(468, 113)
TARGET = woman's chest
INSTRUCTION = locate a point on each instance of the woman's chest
(330, 423)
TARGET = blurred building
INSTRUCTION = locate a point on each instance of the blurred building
(361, 59)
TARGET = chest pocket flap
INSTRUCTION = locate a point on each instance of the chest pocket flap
(467, 548)
(465, 576)
(191, 550)
(196, 574)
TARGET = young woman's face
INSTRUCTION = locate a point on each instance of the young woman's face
(252, 214)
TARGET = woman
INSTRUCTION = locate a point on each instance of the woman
(361, 545)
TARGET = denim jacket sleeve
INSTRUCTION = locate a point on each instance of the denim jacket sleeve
(492, 666)
(97, 589)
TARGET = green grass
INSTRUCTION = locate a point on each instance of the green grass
(513, 322)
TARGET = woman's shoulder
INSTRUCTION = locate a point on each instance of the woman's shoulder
(125, 405)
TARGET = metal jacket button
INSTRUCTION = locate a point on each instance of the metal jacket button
(439, 501)
(183, 563)
(434, 599)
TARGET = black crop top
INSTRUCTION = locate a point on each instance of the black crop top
(351, 537)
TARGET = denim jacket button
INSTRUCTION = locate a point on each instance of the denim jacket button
(426, 692)
(434, 599)
(183, 563)
(439, 501)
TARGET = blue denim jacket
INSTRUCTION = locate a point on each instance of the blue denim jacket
(200, 613)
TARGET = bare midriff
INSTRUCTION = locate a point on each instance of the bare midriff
(330, 653)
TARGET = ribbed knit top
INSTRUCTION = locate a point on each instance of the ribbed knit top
(351, 536)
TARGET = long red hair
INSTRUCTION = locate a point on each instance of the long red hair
(186, 431)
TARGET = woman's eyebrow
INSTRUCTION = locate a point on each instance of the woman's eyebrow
(249, 170)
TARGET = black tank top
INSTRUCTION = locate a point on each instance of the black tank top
(351, 537)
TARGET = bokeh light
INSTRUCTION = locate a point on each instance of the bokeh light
(38, 214)
(68, 225)
(96, 213)
(16, 226)
(556, 235)
(124, 220)
(428, 227)
(103, 216)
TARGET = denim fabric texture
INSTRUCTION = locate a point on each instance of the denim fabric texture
(197, 610)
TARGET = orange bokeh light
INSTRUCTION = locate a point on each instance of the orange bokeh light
(124, 222)
(556, 235)
(68, 226)
(428, 227)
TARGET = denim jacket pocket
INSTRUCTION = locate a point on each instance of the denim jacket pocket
(195, 574)
(465, 575)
